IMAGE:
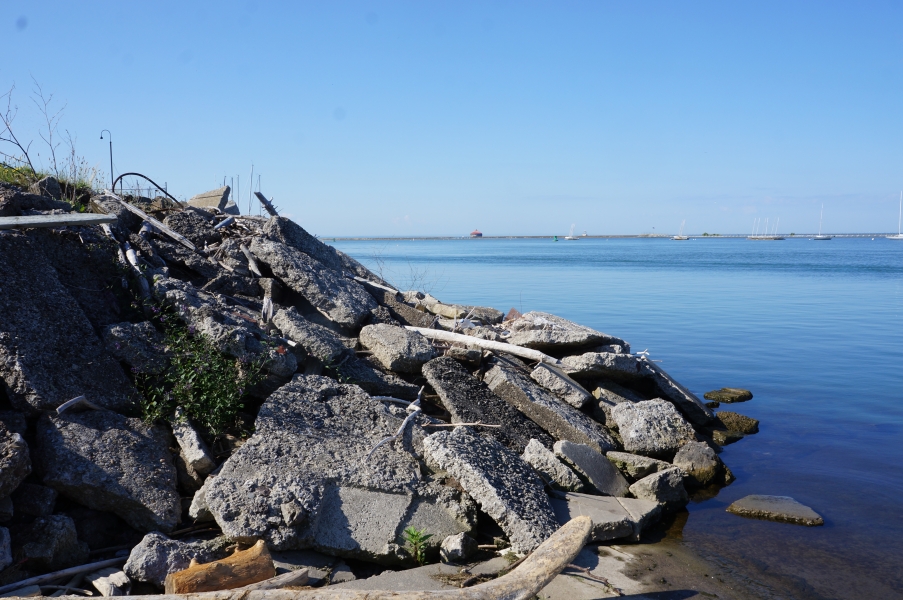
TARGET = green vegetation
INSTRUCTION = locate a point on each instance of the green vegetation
(415, 543)
(208, 385)
(711, 235)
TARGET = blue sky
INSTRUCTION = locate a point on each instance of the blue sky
(432, 118)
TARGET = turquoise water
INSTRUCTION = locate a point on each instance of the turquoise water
(814, 329)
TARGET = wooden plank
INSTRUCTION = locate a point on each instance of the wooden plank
(160, 226)
(38, 221)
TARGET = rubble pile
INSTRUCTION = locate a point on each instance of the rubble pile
(375, 412)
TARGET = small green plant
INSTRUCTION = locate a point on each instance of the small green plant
(208, 385)
(415, 543)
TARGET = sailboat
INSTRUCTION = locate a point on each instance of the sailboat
(765, 236)
(820, 236)
(571, 235)
(899, 235)
(680, 235)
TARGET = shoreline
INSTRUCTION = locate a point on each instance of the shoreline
(588, 237)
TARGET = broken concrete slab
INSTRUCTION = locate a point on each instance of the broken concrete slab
(504, 486)
(425, 578)
(597, 469)
(400, 311)
(396, 348)
(508, 379)
(138, 345)
(217, 198)
(110, 582)
(547, 332)
(341, 300)
(302, 481)
(109, 462)
(736, 422)
(469, 400)
(315, 340)
(550, 468)
(607, 395)
(692, 407)
(783, 509)
(634, 466)
(49, 543)
(700, 464)
(664, 487)
(48, 186)
(365, 373)
(652, 428)
(15, 461)
(49, 352)
(611, 521)
(620, 367)
(729, 395)
(196, 224)
(35, 500)
(560, 384)
(194, 450)
(157, 556)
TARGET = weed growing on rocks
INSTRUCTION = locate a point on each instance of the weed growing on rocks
(415, 543)
(209, 386)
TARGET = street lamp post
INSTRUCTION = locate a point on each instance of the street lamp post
(110, 135)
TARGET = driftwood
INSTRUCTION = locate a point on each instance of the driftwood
(132, 257)
(290, 579)
(414, 408)
(448, 336)
(38, 221)
(522, 583)
(224, 223)
(242, 568)
(252, 262)
(160, 226)
(267, 205)
(374, 284)
(77, 401)
(48, 577)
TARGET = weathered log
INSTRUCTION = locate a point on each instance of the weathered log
(448, 336)
(252, 262)
(522, 583)
(374, 284)
(38, 221)
(48, 577)
(267, 205)
(290, 579)
(242, 568)
(77, 401)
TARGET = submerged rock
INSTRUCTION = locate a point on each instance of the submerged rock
(736, 422)
(729, 395)
(503, 485)
(652, 427)
(776, 508)
(700, 464)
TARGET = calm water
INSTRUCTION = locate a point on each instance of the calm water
(814, 329)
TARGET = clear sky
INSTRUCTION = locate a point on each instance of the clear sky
(432, 118)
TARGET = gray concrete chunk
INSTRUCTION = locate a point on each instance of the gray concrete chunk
(217, 198)
(553, 470)
(652, 428)
(315, 340)
(597, 469)
(504, 486)
(564, 422)
(634, 466)
(157, 556)
(396, 348)
(340, 299)
(622, 367)
(112, 463)
(194, 450)
(665, 487)
(699, 463)
(611, 520)
(139, 345)
(15, 461)
(544, 331)
(469, 400)
(783, 509)
(560, 384)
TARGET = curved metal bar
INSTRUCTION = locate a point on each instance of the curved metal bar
(118, 179)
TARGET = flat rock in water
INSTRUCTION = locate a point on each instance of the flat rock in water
(613, 518)
(652, 427)
(724, 437)
(396, 348)
(108, 462)
(665, 487)
(620, 367)
(340, 299)
(729, 395)
(508, 379)
(314, 339)
(547, 465)
(303, 479)
(544, 331)
(634, 466)
(469, 400)
(736, 422)
(504, 486)
(559, 383)
(776, 508)
(49, 353)
(602, 475)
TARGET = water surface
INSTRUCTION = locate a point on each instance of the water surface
(814, 329)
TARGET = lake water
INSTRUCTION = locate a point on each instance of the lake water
(814, 329)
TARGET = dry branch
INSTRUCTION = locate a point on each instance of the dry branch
(39, 221)
(448, 336)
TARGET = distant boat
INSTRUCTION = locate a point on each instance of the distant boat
(899, 235)
(765, 236)
(571, 235)
(680, 235)
(476, 233)
(820, 236)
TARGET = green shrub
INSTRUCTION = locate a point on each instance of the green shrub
(415, 543)
(209, 385)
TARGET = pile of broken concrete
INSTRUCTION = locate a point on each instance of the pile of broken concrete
(380, 410)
